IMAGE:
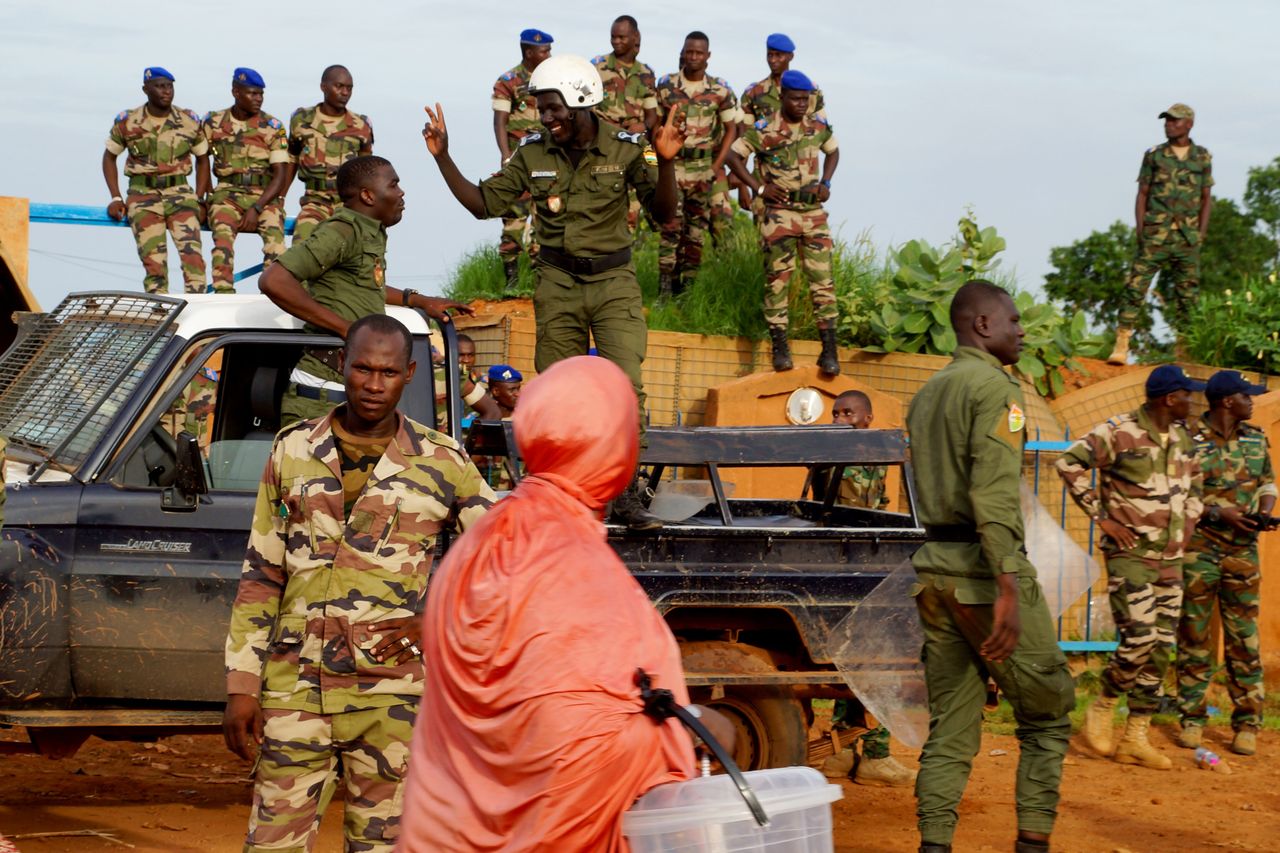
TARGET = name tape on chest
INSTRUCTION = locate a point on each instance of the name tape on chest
(543, 173)
(607, 169)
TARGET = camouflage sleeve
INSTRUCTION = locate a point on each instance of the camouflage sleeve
(746, 144)
(1075, 464)
(1208, 171)
(474, 496)
(1146, 171)
(115, 139)
(729, 113)
(328, 246)
(650, 99)
(502, 189)
(1266, 480)
(279, 146)
(829, 142)
(995, 453)
(503, 95)
(367, 148)
(200, 144)
(1195, 499)
(262, 582)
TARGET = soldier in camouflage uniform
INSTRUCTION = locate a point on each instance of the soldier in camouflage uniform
(321, 139)
(630, 90)
(1146, 503)
(323, 666)
(161, 140)
(515, 116)
(251, 162)
(1222, 563)
(789, 192)
(1174, 199)
(763, 100)
(708, 110)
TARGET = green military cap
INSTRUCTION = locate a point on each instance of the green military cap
(1178, 111)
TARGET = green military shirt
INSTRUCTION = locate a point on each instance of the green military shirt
(580, 211)
(157, 146)
(1237, 472)
(786, 155)
(249, 147)
(967, 427)
(320, 143)
(629, 90)
(344, 263)
(764, 99)
(511, 95)
(1175, 188)
(863, 486)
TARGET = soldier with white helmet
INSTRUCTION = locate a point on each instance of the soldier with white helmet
(578, 173)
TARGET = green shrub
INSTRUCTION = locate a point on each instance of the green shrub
(1239, 327)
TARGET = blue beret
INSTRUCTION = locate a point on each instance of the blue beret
(504, 373)
(780, 41)
(796, 80)
(155, 71)
(532, 36)
(247, 77)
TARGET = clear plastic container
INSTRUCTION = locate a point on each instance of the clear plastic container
(677, 500)
(708, 815)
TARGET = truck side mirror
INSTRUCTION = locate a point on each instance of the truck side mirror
(190, 482)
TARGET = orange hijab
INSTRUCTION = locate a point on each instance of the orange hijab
(531, 734)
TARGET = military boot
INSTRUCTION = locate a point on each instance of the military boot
(935, 848)
(781, 349)
(1134, 747)
(666, 285)
(839, 766)
(1120, 354)
(511, 269)
(829, 358)
(1245, 742)
(1189, 737)
(883, 773)
(1022, 845)
(629, 508)
(1097, 729)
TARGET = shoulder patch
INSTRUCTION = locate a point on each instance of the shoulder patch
(817, 119)
(598, 60)
(1152, 149)
(193, 115)
(364, 118)
(531, 137)
(722, 82)
(630, 137)
(299, 111)
(664, 79)
(762, 124)
(122, 115)
(274, 123)
(508, 76)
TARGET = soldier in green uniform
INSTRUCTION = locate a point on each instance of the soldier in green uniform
(161, 140)
(1174, 199)
(630, 90)
(1146, 502)
(578, 174)
(1222, 562)
(321, 139)
(251, 162)
(515, 116)
(789, 192)
(708, 113)
(980, 605)
(323, 667)
(344, 263)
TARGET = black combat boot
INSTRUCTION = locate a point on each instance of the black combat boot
(781, 349)
(629, 508)
(935, 848)
(1023, 845)
(829, 359)
(512, 270)
(666, 285)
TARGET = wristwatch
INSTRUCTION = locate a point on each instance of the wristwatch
(826, 182)
(1213, 513)
(257, 205)
(405, 294)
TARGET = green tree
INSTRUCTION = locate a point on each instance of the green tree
(1262, 200)
(1234, 249)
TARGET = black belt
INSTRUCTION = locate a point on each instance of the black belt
(324, 395)
(801, 197)
(245, 179)
(584, 266)
(326, 356)
(695, 154)
(157, 182)
(320, 184)
(952, 533)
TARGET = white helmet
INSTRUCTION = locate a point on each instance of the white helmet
(573, 77)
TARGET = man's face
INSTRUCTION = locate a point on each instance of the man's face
(375, 372)
(1175, 127)
(466, 354)
(1005, 332)
(506, 394)
(248, 99)
(1178, 403)
(851, 411)
(336, 88)
(625, 40)
(557, 118)
(695, 55)
(779, 61)
(1239, 406)
(159, 92)
(795, 103)
(535, 55)
(384, 196)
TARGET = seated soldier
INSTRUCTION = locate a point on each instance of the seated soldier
(504, 387)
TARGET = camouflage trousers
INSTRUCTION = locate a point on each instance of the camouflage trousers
(1178, 263)
(153, 211)
(517, 231)
(1233, 582)
(1146, 617)
(681, 239)
(316, 208)
(721, 215)
(875, 743)
(298, 767)
(226, 207)
(791, 238)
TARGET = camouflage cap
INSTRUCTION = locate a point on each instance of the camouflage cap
(1178, 111)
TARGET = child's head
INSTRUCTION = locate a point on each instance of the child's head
(852, 408)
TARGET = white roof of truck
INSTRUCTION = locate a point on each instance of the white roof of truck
(205, 312)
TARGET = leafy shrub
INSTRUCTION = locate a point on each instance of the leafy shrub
(1239, 327)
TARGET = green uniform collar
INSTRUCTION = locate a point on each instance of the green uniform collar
(980, 355)
(358, 219)
(552, 145)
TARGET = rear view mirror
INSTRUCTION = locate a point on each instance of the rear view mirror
(190, 482)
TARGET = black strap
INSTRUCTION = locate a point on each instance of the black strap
(584, 266)
(661, 704)
(324, 395)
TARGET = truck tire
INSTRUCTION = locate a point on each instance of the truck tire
(770, 724)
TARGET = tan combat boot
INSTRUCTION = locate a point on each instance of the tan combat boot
(884, 773)
(1245, 741)
(1190, 737)
(1120, 354)
(1098, 728)
(838, 766)
(1134, 747)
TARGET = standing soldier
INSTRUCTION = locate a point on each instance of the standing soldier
(1174, 199)
(515, 116)
(322, 138)
(980, 604)
(323, 665)
(789, 192)
(709, 116)
(764, 99)
(251, 161)
(630, 90)
(1222, 563)
(160, 139)
(1146, 503)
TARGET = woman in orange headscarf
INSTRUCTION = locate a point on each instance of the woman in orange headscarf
(531, 734)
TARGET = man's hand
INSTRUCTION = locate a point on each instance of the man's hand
(1121, 535)
(248, 222)
(1235, 516)
(437, 307)
(202, 211)
(435, 133)
(1006, 625)
(668, 139)
(400, 640)
(116, 210)
(772, 193)
(824, 193)
(242, 725)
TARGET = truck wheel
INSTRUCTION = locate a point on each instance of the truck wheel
(768, 720)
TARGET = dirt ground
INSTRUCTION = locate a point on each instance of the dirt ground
(189, 794)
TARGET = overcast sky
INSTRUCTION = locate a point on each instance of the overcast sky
(1035, 114)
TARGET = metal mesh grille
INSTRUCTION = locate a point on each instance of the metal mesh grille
(63, 381)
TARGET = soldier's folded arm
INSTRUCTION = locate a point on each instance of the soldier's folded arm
(1073, 466)
(737, 162)
(330, 244)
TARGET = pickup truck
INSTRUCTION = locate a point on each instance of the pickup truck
(139, 426)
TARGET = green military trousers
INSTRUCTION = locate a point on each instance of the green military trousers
(1034, 679)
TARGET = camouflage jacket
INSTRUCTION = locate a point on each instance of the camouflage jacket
(787, 155)
(863, 486)
(245, 147)
(1174, 191)
(764, 100)
(629, 90)
(1150, 485)
(157, 146)
(511, 95)
(320, 148)
(315, 585)
(707, 106)
(1237, 472)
